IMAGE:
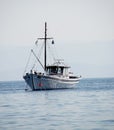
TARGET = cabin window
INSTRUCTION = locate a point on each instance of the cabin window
(55, 70)
(60, 70)
(52, 70)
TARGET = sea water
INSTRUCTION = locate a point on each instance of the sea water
(90, 106)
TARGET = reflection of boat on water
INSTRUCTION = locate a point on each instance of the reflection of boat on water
(54, 76)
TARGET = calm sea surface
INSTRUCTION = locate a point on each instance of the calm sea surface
(88, 107)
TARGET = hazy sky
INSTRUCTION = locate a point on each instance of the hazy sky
(83, 31)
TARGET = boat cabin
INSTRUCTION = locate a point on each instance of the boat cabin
(57, 70)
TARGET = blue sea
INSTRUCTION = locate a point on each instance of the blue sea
(90, 106)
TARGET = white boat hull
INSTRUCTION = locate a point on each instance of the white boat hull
(41, 82)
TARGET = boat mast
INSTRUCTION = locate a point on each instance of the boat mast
(45, 40)
(45, 46)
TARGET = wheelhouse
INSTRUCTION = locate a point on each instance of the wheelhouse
(57, 70)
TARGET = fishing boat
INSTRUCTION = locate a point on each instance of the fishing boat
(54, 76)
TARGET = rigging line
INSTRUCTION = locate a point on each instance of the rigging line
(54, 48)
(40, 50)
(50, 55)
(27, 63)
(33, 66)
(37, 58)
(37, 49)
(34, 48)
(51, 52)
